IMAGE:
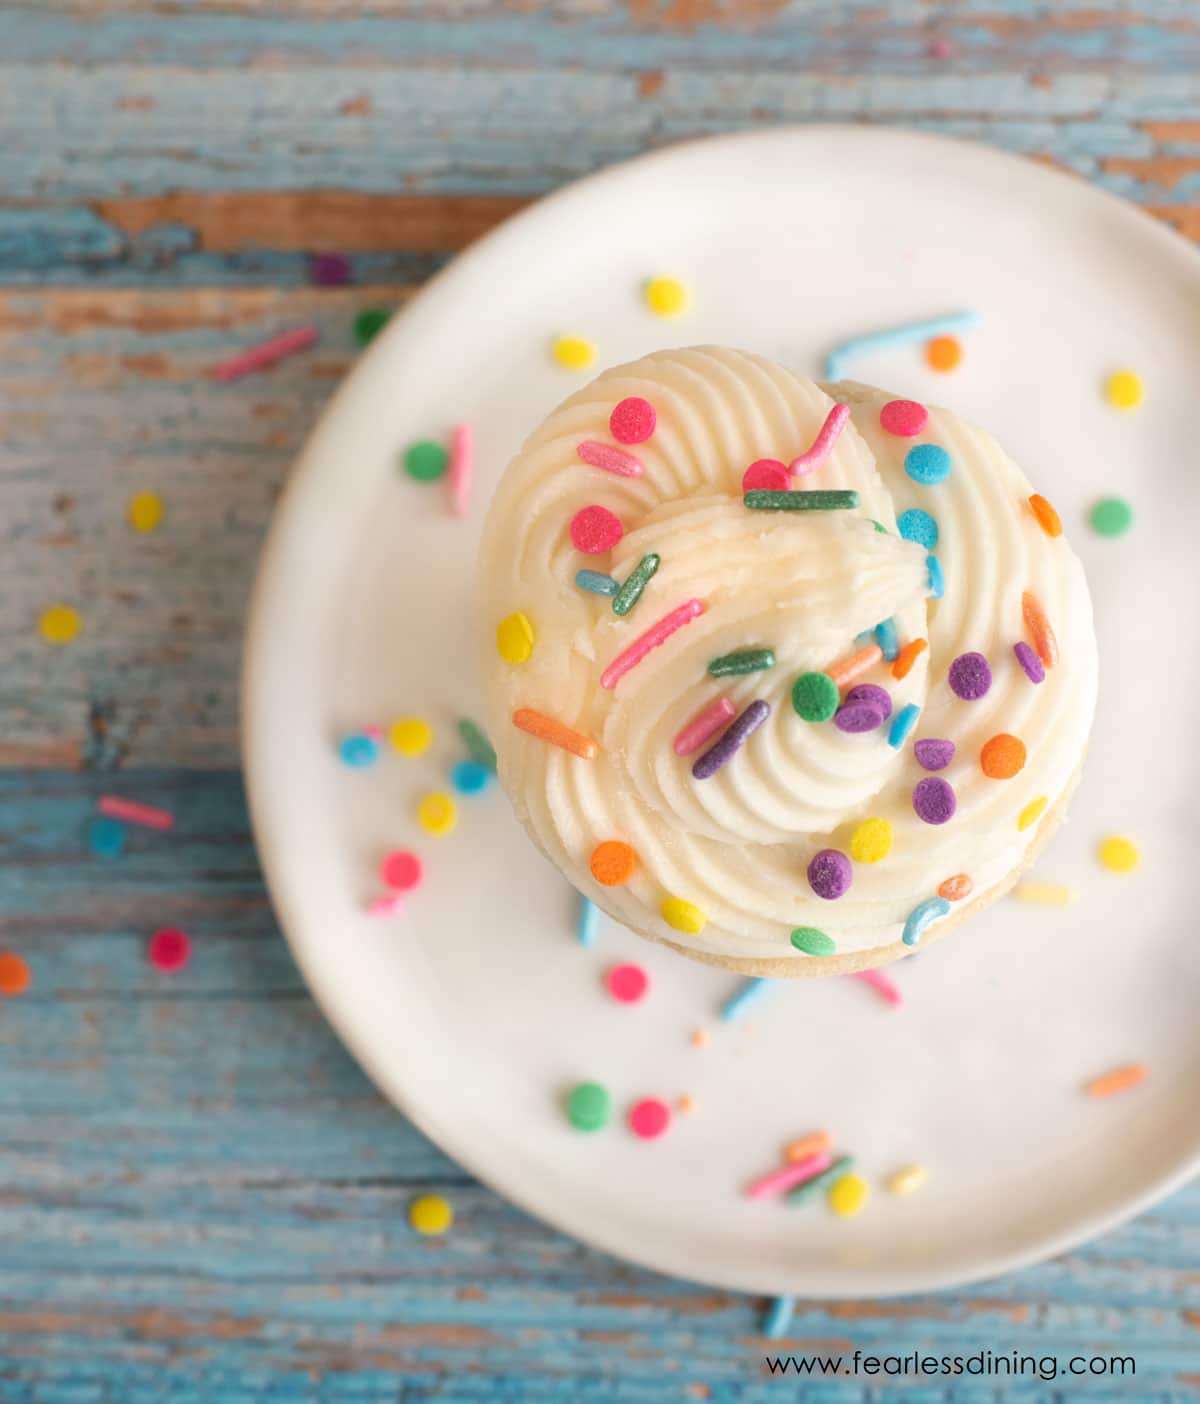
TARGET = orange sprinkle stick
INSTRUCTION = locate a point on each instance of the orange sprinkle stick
(1048, 519)
(907, 656)
(556, 733)
(844, 673)
(1117, 1081)
(804, 1146)
(1044, 642)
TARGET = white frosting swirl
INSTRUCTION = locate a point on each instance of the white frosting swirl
(737, 845)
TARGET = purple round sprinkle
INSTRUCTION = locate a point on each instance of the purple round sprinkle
(877, 696)
(1030, 662)
(933, 799)
(970, 676)
(330, 270)
(857, 716)
(829, 874)
(934, 755)
(735, 733)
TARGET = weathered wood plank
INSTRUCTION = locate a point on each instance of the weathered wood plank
(201, 1198)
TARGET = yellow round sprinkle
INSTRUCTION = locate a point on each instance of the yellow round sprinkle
(848, 1194)
(410, 736)
(906, 1181)
(430, 1214)
(872, 841)
(1032, 812)
(145, 511)
(683, 916)
(574, 352)
(1119, 854)
(514, 638)
(667, 297)
(437, 813)
(59, 624)
(1124, 390)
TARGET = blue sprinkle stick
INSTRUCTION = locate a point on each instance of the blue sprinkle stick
(902, 724)
(887, 639)
(588, 927)
(596, 582)
(922, 916)
(750, 993)
(778, 1318)
(835, 361)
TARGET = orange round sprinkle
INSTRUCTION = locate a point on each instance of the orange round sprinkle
(804, 1146)
(907, 656)
(955, 888)
(1117, 1081)
(686, 1104)
(1048, 519)
(1044, 643)
(1002, 756)
(613, 863)
(943, 353)
(14, 974)
(699, 1038)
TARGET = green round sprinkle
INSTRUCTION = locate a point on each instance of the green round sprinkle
(1112, 516)
(588, 1106)
(815, 696)
(746, 660)
(813, 942)
(369, 323)
(425, 460)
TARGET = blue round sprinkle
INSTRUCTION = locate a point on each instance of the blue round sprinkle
(107, 837)
(927, 463)
(918, 526)
(359, 750)
(937, 581)
(470, 777)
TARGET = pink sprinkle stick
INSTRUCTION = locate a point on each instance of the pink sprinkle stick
(259, 357)
(822, 446)
(132, 812)
(703, 725)
(789, 1176)
(462, 468)
(645, 643)
(385, 906)
(881, 984)
(612, 460)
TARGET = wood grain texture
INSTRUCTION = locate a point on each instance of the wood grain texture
(202, 1199)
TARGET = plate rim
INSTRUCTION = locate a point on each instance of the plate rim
(255, 712)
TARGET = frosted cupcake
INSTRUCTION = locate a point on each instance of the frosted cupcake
(789, 677)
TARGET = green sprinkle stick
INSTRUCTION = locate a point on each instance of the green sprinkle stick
(826, 500)
(746, 660)
(821, 1181)
(631, 591)
(477, 744)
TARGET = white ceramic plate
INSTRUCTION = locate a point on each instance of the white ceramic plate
(476, 1008)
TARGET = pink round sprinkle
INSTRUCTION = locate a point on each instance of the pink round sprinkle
(401, 870)
(768, 474)
(628, 983)
(904, 418)
(595, 530)
(169, 949)
(649, 1118)
(633, 421)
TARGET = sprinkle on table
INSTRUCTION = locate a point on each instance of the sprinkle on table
(1044, 641)
(149, 816)
(358, 750)
(477, 744)
(667, 297)
(589, 1106)
(412, 736)
(746, 997)
(817, 500)
(369, 323)
(810, 1188)
(401, 870)
(469, 777)
(745, 660)
(106, 837)
(1124, 390)
(59, 624)
(804, 1146)
(1047, 518)
(923, 915)
(587, 925)
(704, 725)
(789, 1175)
(943, 353)
(515, 638)
(573, 352)
(649, 1118)
(610, 458)
(627, 983)
(908, 1180)
(1119, 854)
(653, 638)
(778, 1318)
(430, 1215)
(554, 733)
(848, 1195)
(882, 984)
(330, 269)
(732, 740)
(169, 949)
(906, 334)
(265, 354)
(633, 420)
(1046, 894)
(1119, 1080)
(145, 511)
(15, 978)
(426, 460)
(635, 583)
(462, 468)
(437, 813)
(907, 656)
(1111, 516)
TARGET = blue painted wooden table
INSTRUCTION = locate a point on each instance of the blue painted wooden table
(201, 1197)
